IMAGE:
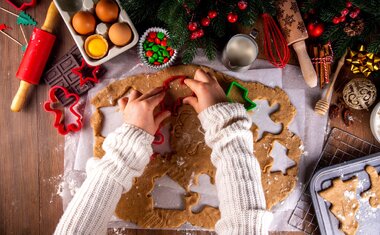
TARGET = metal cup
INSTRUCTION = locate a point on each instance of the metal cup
(240, 52)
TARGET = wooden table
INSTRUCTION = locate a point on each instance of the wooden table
(31, 151)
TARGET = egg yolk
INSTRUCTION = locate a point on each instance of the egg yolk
(97, 47)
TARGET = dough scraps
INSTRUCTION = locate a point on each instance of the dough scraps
(190, 155)
(344, 205)
(374, 192)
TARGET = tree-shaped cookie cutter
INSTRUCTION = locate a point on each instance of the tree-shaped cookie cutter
(59, 122)
(249, 104)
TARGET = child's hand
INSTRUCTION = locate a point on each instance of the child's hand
(138, 110)
(207, 90)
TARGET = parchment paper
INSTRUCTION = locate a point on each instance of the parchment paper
(309, 126)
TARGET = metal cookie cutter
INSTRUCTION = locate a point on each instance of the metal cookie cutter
(249, 104)
(23, 6)
(59, 114)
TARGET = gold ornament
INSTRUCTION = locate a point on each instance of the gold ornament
(359, 93)
(363, 62)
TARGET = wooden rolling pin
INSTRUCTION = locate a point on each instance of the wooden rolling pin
(323, 104)
(295, 33)
(35, 58)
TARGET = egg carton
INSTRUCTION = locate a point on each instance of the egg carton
(67, 9)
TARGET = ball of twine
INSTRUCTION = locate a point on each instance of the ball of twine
(359, 93)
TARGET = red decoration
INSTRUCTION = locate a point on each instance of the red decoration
(232, 17)
(242, 5)
(212, 14)
(200, 33)
(335, 20)
(344, 12)
(315, 29)
(86, 73)
(348, 4)
(353, 15)
(194, 35)
(192, 26)
(4, 27)
(205, 22)
(342, 19)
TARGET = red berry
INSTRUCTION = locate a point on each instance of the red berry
(348, 4)
(192, 26)
(335, 20)
(157, 41)
(152, 35)
(194, 35)
(357, 10)
(205, 22)
(232, 17)
(149, 53)
(200, 33)
(353, 15)
(344, 12)
(242, 5)
(212, 14)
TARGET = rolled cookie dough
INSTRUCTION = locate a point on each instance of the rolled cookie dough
(374, 192)
(190, 156)
(344, 205)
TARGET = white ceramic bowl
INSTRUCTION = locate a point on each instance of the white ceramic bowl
(375, 122)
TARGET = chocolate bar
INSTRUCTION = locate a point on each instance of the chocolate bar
(60, 74)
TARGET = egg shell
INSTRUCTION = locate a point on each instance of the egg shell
(107, 11)
(84, 22)
(120, 34)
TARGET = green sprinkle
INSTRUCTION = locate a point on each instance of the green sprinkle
(151, 44)
(155, 56)
(166, 53)
(151, 60)
(155, 48)
(161, 58)
(160, 35)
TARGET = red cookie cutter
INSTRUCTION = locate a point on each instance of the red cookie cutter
(59, 114)
(23, 6)
(87, 73)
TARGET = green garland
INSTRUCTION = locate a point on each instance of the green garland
(326, 10)
(175, 15)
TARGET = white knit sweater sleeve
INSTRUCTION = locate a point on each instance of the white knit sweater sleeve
(128, 151)
(238, 176)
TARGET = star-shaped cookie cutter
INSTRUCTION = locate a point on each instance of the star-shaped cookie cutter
(22, 6)
(85, 71)
(59, 114)
(249, 104)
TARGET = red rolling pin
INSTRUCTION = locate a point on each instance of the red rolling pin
(35, 58)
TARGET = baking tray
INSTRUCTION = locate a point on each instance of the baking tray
(340, 147)
(367, 217)
(68, 8)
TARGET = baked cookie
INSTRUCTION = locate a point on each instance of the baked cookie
(374, 192)
(344, 205)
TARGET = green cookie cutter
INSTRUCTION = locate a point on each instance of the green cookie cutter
(249, 104)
